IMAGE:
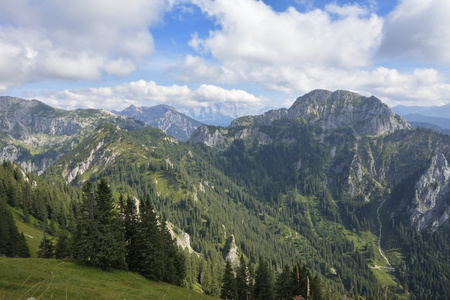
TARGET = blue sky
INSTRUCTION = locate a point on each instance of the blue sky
(112, 53)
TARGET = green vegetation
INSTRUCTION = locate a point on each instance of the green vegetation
(308, 198)
(61, 279)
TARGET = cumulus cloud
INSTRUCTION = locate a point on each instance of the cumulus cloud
(145, 93)
(332, 48)
(74, 39)
(418, 30)
(250, 33)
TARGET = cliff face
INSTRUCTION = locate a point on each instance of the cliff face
(331, 110)
(324, 109)
(35, 135)
(164, 117)
(430, 207)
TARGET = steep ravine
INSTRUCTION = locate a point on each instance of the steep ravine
(379, 238)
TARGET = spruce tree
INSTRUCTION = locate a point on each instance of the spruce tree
(109, 246)
(46, 249)
(174, 261)
(263, 282)
(12, 243)
(284, 285)
(148, 242)
(242, 279)
(85, 227)
(62, 248)
(98, 237)
(228, 283)
(130, 226)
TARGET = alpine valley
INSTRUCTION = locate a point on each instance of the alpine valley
(337, 183)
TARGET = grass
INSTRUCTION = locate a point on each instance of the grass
(33, 234)
(23, 278)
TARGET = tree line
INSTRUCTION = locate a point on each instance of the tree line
(124, 237)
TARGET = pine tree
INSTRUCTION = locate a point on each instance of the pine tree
(284, 287)
(130, 227)
(98, 237)
(175, 264)
(228, 283)
(149, 244)
(12, 243)
(46, 249)
(109, 246)
(241, 280)
(85, 227)
(263, 282)
(62, 248)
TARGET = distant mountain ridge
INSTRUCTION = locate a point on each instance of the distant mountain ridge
(34, 127)
(325, 109)
(436, 118)
(219, 114)
(164, 117)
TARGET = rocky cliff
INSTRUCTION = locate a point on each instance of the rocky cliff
(34, 134)
(331, 110)
(319, 108)
(430, 207)
(164, 117)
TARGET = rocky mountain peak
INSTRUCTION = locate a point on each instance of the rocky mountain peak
(331, 110)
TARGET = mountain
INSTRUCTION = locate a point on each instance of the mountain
(34, 134)
(220, 114)
(323, 109)
(443, 123)
(426, 116)
(337, 182)
(164, 117)
(430, 111)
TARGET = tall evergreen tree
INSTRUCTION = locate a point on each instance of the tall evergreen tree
(228, 283)
(62, 248)
(86, 227)
(285, 285)
(46, 249)
(242, 280)
(263, 282)
(130, 226)
(12, 243)
(149, 244)
(109, 243)
(174, 261)
(98, 237)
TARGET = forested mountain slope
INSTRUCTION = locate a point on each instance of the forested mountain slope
(314, 184)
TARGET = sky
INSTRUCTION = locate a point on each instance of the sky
(110, 54)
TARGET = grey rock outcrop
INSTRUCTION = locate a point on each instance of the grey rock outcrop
(431, 204)
(325, 109)
(331, 110)
(34, 125)
(163, 117)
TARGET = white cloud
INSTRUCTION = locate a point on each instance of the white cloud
(74, 39)
(251, 34)
(333, 48)
(418, 30)
(146, 93)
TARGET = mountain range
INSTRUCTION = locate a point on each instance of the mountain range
(433, 117)
(337, 181)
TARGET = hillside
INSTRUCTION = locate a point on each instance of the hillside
(34, 134)
(63, 279)
(336, 182)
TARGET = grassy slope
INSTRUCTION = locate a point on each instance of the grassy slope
(22, 278)
(55, 279)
